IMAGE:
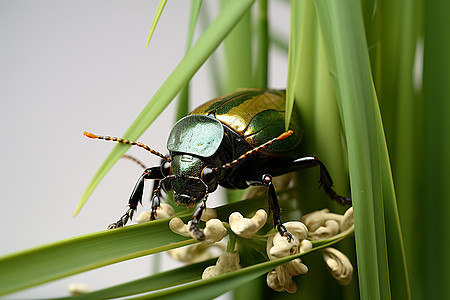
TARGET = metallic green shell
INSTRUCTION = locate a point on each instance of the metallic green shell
(197, 135)
(257, 115)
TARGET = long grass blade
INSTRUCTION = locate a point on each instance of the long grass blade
(158, 13)
(434, 198)
(162, 280)
(79, 254)
(342, 26)
(213, 287)
(184, 71)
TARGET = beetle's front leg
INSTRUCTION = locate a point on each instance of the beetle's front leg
(200, 236)
(274, 206)
(136, 196)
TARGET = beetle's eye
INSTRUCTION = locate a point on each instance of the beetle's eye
(208, 176)
(165, 168)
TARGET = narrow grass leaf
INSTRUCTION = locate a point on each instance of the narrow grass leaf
(213, 287)
(60, 259)
(79, 254)
(184, 71)
(344, 36)
(158, 13)
(162, 280)
(435, 190)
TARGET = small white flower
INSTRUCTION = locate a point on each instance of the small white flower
(195, 253)
(214, 230)
(245, 227)
(208, 214)
(347, 220)
(338, 264)
(162, 212)
(280, 279)
(226, 263)
(322, 224)
(79, 289)
(278, 246)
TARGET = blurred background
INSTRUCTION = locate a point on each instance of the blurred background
(71, 66)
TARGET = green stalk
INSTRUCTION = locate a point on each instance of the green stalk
(183, 97)
(369, 167)
(239, 74)
(262, 63)
(435, 200)
(300, 62)
(238, 54)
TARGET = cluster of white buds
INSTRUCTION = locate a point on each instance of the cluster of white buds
(245, 227)
(323, 225)
(317, 225)
(280, 279)
(162, 212)
(338, 264)
(196, 253)
(214, 230)
(227, 262)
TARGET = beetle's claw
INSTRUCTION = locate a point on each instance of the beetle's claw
(288, 236)
(115, 225)
(198, 234)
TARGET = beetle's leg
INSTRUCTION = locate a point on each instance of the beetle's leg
(200, 236)
(274, 206)
(325, 180)
(155, 201)
(136, 196)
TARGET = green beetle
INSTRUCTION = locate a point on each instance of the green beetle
(236, 141)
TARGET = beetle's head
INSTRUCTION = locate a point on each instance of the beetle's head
(192, 142)
(191, 180)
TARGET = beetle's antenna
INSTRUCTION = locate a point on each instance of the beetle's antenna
(137, 161)
(253, 151)
(126, 142)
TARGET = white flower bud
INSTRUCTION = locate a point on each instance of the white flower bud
(245, 227)
(347, 220)
(278, 246)
(79, 289)
(322, 224)
(195, 253)
(208, 214)
(177, 225)
(162, 212)
(214, 230)
(338, 264)
(226, 263)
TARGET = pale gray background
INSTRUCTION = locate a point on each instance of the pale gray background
(70, 66)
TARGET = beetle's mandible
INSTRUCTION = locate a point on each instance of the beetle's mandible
(235, 141)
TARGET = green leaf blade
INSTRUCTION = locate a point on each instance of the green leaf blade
(184, 71)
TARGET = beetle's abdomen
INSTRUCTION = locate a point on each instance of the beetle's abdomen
(256, 115)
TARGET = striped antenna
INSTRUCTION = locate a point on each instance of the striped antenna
(253, 151)
(126, 142)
